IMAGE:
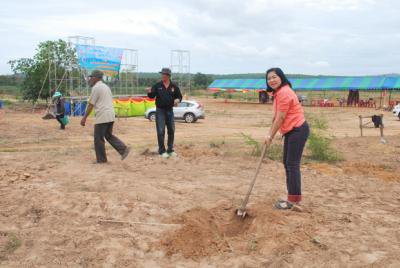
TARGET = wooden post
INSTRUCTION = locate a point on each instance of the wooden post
(381, 126)
(361, 126)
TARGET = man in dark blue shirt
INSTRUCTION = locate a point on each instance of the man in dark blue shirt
(167, 96)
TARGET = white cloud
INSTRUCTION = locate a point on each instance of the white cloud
(304, 36)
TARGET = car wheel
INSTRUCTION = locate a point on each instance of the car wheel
(152, 116)
(189, 118)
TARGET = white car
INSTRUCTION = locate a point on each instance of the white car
(396, 110)
(190, 111)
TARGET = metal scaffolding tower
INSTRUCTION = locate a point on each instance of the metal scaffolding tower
(180, 67)
(125, 84)
(128, 79)
(77, 76)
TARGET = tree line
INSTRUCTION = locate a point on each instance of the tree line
(30, 73)
(54, 58)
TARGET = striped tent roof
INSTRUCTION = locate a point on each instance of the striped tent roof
(322, 83)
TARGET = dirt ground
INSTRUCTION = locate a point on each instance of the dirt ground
(59, 209)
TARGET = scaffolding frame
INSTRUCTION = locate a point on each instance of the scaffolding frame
(127, 83)
(180, 67)
(77, 77)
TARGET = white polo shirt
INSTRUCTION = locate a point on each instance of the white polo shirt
(102, 100)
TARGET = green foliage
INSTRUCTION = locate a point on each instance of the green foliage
(9, 90)
(318, 145)
(318, 122)
(201, 80)
(8, 80)
(256, 146)
(275, 152)
(34, 70)
(320, 148)
(12, 244)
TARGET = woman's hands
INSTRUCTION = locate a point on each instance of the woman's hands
(268, 140)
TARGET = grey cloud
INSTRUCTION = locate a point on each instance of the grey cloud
(302, 36)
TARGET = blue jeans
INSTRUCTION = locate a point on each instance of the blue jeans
(293, 147)
(165, 117)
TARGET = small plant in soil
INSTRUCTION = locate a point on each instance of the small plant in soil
(256, 146)
(275, 152)
(12, 244)
(217, 144)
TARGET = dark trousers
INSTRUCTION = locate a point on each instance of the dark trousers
(59, 117)
(293, 147)
(102, 131)
(165, 117)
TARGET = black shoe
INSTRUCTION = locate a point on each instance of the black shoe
(126, 153)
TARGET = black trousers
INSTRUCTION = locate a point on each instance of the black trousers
(59, 117)
(165, 117)
(293, 147)
(104, 131)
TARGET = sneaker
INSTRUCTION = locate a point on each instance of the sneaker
(165, 155)
(126, 153)
(283, 205)
(173, 154)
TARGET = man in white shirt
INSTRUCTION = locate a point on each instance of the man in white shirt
(101, 100)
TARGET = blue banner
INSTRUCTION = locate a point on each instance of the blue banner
(105, 59)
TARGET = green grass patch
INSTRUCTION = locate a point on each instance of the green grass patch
(8, 150)
(318, 144)
(12, 244)
(254, 144)
(320, 148)
(318, 122)
(275, 152)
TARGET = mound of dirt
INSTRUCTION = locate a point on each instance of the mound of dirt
(371, 170)
(193, 152)
(208, 232)
(201, 235)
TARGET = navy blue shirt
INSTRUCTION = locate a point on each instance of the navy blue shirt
(165, 97)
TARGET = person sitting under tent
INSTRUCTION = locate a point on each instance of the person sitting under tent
(263, 97)
(101, 100)
(59, 109)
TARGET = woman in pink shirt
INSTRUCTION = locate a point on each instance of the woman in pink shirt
(290, 122)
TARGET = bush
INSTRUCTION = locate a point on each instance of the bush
(320, 123)
(275, 152)
(317, 122)
(320, 150)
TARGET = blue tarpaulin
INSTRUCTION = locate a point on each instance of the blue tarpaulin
(319, 83)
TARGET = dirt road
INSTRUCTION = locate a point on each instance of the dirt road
(58, 209)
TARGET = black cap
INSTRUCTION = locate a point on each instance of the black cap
(166, 71)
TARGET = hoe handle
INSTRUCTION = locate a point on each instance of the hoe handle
(246, 199)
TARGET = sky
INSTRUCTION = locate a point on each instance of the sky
(332, 37)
